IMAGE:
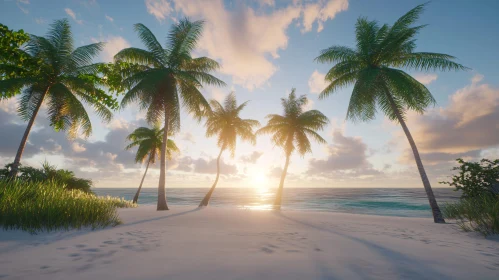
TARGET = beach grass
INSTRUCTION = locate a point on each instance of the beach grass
(47, 206)
(479, 214)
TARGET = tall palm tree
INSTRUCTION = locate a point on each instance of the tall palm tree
(374, 70)
(149, 142)
(225, 122)
(168, 75)
(60, 83)
(292, 130)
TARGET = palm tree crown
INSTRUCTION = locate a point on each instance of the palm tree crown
(225, 122)
(61, 82)
(168, 75)
(374, 69)
(148, 142)
(292, 130)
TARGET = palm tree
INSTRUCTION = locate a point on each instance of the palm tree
(292, 130)
(168, 75)
(60, 83)
(374, 70)
(149, 142)
(225, 122)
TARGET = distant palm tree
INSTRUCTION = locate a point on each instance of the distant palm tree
(59, 83)
(149, 142)
(169, 75)
(292, 130)
(374, 70)
(225, 122)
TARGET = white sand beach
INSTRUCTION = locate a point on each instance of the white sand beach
(220, 243)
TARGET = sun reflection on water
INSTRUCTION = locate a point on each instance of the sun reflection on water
(262, 199)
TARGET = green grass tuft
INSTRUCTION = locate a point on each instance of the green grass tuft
(480, 214)
(46, 206)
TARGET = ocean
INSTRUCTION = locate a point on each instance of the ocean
(374, 201)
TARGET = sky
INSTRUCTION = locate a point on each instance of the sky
(265, 48)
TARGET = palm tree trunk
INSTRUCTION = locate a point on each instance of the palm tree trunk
(162, 172)
(207, 197)
(278, 198)
(136, 197)
(15, 166)
(437, 214)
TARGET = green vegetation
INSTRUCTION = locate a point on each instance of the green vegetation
(374, 70)
(47, 206)
(478, 208)
(47, 173)
(476, 178)
(225, 122)
(149, 142)
(292, 130)
(66, 78)
(168, 76)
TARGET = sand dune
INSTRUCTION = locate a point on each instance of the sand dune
(221, 243)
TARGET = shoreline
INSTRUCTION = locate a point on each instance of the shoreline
(213, 243)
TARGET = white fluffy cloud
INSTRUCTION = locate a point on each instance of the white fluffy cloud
(316, 83)
(160, 9)
(109, 18)
(114, 44)
(246, 42)
(320, 12)
(72, 14)
(426, 79)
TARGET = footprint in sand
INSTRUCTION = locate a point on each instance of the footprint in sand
(74, 255)
(80, 246)
(267, 250)
(93, 250)
(44, 267)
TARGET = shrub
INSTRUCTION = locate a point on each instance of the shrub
(46, 206)
(476, 178)
(50, 173)
(480, 214)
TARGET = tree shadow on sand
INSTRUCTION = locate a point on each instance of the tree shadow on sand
(404, 267)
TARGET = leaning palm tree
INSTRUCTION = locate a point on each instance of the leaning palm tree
(60, 83)
(374, 70)
(148, 142)
(225, 122)
(167, 77)
(292, 130)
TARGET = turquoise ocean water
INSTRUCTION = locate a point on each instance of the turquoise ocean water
(383, 201)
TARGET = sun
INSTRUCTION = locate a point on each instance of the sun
(260, 181)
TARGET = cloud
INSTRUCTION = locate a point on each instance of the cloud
(251, 39)
(426, 79)
(346, 156)
(210, 167)
(109, 18)
(251, 158)
(40, 20)
(320, 12)
(468, 122)
(316, 83)
(275, 172)
(21, 4)
(160, 9)
(270, 3)
(113, 45)
(72, 14)
(78, 148)
(187, 136)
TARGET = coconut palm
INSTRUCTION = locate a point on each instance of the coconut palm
(60, 83)
(225, 122)
(374, 69)
(292, 130)
(148, 142)
(168, 76)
